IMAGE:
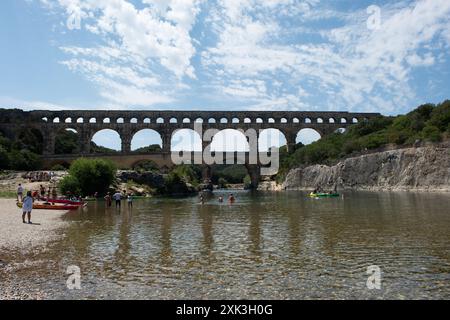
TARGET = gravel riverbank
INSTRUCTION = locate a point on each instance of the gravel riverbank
(20, 242)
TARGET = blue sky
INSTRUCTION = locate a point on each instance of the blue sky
(224, 54)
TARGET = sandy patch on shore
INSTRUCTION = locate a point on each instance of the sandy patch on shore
(15, 235)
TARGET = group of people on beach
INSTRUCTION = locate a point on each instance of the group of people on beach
(39, 176)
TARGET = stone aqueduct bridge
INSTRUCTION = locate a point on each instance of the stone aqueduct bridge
(166, 123)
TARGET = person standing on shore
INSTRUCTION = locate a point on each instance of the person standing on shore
(20, 193)
(27, 207)
(42, 191)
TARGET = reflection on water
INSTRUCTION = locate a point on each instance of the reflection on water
(266, 245)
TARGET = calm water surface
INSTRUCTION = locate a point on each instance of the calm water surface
(266, 245)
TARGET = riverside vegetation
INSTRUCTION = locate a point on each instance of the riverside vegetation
(427, 123)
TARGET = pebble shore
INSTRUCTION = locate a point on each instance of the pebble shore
(18, 240)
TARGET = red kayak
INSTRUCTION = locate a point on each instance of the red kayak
(70, 202)
(50, 206)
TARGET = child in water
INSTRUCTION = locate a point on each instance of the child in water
(231, 198)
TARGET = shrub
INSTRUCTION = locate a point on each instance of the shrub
(351, 146)
(222, 183)
(187, 173)
(431, 133)
(70, 185)
(146, 166)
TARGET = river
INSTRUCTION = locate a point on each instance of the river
(267, 245)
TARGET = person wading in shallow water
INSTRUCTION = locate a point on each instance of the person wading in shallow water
(27, 207)
(231, 198)
(130, 200)
(108, 200)
(118, 197)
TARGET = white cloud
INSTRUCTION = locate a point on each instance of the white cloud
(140, 52)
(354, 67)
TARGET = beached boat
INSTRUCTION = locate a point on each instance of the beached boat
(64, 201)
(51, 206)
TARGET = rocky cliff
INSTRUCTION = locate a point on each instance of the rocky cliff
(419, 169)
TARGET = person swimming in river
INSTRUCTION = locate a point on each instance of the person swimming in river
(231, 198)
(220, 199)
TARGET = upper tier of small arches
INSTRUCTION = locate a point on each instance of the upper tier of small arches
(210, 120)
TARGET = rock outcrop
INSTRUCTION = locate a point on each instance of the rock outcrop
(419, 169)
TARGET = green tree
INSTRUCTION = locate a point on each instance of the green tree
(91, 175)
(69, 185)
